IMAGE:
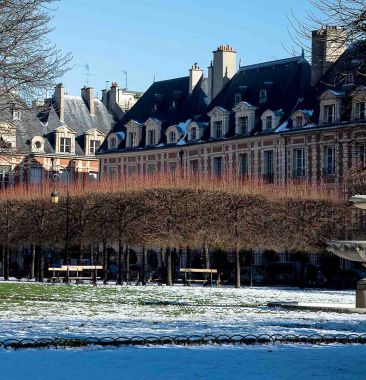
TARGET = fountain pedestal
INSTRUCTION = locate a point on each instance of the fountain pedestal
(354, 251)
(361, 294)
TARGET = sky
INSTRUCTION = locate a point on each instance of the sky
(161, 39)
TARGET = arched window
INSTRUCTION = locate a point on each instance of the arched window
(113, 143)
(172, 137)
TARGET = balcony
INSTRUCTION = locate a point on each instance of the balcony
(298, 173)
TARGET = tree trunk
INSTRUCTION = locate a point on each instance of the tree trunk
(80, 249)
(120, 262)
(188, 265)
(169, 277)
(41, 265)
(251, 267)
(237, 268)
(2, 260)
(163, 266)
(144, 265)
(128, 278)
(206, 254)
(105, 264)
(33, 262)
(7, 264)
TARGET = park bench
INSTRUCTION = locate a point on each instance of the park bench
(211, 272)
(75, 272)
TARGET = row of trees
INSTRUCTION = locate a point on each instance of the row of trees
(174, 217)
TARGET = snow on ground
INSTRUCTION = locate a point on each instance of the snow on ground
(29, 310)
(180, 363)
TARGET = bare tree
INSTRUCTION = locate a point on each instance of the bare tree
(349, 16)
(29, 62)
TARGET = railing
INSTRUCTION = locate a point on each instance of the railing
(184, 340)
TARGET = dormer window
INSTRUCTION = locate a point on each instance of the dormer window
(113, 143)
(174, 104)
(262, 95)
(193, 133)
(299, 121)
(237, 98)
(151, 137)
(172, 137)
(94, 146)
(243, 124)
(65, 145)
(269, 122)
(329, 113)
(218, 129)
(132, 139)
(17, 115)
(361, 110)
(155, 108)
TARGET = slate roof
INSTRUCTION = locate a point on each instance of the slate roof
(286, 81)
(77, 117)
(162, 94)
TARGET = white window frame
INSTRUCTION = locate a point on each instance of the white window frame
(64, 145)
(94, 145)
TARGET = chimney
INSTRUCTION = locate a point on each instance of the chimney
(87, 93)
(60, 101)
(327, 45)
(222, 69)
(195, 74)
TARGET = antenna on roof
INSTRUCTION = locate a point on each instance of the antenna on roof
(125, 72)
(87, 74)
(154, 79)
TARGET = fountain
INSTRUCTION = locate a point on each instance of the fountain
(355, 251)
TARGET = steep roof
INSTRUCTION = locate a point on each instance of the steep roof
(285, 81)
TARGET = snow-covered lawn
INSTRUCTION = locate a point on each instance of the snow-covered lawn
(32, 310)
(179, 363)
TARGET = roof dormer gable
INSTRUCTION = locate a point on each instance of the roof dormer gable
(152, 122)
(95, 132)
(65, 129)
(134, 124)
(244, 106)
(331, 94)
(216, 111)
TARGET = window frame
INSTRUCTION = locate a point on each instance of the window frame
(63, 144)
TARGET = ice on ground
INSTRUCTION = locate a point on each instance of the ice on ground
(37, 311)
(180, 363)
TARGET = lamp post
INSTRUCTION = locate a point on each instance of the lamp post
(54, 199)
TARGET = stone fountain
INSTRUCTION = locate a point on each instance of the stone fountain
(355, 251)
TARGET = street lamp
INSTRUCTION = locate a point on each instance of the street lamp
(54, 199)
(359, 201)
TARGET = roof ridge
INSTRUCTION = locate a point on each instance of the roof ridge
(170, 80)
(271, 63)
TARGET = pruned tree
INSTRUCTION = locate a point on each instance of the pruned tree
(29, 62)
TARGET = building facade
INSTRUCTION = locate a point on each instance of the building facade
(63, 134)
(265, 121)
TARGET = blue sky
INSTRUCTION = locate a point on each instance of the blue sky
(163, 38)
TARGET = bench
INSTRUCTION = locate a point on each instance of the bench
(78, 269)
(211, 272)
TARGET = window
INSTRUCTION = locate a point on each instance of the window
(94, 146)
(193, 133)
(17, 115)
(217, 166)
(132, 139)
(299, 121)
(361, 111)
(262, 95)
(329, 160)
(194, 166)
(237, 98)
(299, 163)
(172, 137)
(155, 108)
(4, 175)
(268, 166)
(218, 129)
(329, 113)
(151, 137)
(243, 125)
(113, 143)
(361, 154)
(112, 173)
(243, 162)
(65, 145)
(35, 175)
(268, 122)
(174, 104)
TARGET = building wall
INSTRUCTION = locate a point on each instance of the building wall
(313, 143)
